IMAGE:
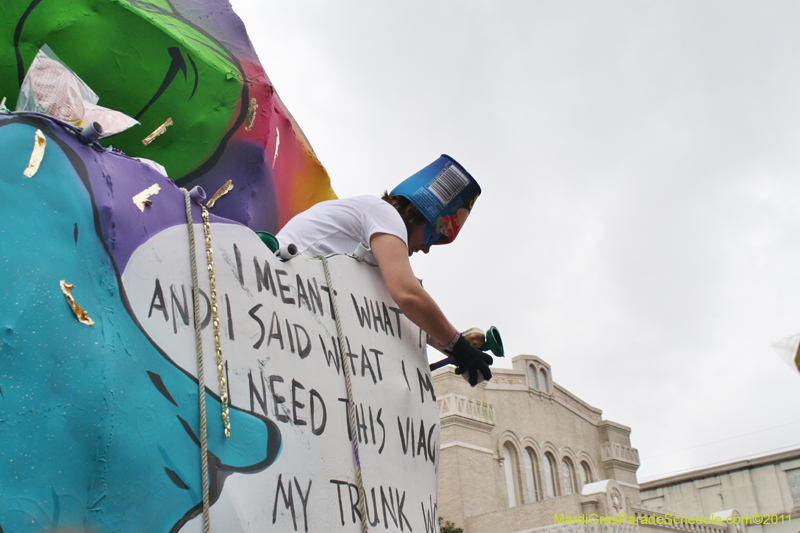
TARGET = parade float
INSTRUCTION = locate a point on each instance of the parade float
(162, 368)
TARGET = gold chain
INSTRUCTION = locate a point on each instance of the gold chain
(223, 391)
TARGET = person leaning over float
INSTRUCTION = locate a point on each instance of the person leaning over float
(428, 208)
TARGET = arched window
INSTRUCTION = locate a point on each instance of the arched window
(510, 467)
(586, 474)
(549, 475)
(567, 478)
(543, 380)
(532, 377)
(532, 475)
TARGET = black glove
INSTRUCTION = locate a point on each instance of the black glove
(468, 358)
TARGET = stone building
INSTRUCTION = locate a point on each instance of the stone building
(767, 487)
(521, 453)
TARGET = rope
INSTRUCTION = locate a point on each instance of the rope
(351, 414)
(200, 375)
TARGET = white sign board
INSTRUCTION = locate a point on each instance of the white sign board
(283, 363)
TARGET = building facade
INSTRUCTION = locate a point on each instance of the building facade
(766, 487)
(521, 453)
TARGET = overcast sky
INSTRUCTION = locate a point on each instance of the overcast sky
(640, 216)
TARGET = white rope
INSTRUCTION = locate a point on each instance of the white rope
(352, 410)
(200, 375)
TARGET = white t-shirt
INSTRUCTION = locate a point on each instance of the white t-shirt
(338, 226)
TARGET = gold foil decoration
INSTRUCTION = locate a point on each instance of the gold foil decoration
(251, 114)
(159, 131)
(143, 198)
(83, 318)
(277, 144)
(37, 154)
(222, 191)
(223, 391)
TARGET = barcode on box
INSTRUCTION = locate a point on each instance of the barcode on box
(448, 184)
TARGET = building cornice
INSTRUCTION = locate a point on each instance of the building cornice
(468, 446)
(620, 456)
(457, 409)
(615, 425)
(744, 464)
(578, 406)
(454, 420)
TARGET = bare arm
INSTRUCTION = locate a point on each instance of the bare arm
(406, 290)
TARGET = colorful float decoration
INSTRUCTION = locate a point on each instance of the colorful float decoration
(189, 64)
(127, 292)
